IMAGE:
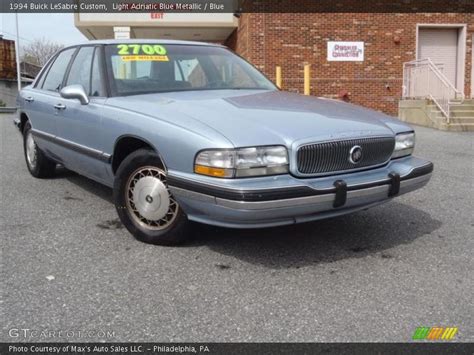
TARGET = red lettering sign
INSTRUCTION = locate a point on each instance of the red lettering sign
(157, 15)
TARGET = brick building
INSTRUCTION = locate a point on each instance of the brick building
(8, 85)
(7, 59)
(270, 35)
(291, 40)
(8, 77)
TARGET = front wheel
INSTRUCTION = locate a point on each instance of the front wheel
(144, 203)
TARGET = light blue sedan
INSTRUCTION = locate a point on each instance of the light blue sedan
(186, 131)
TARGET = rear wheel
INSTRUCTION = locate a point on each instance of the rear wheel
(144, 203)
(39, 165)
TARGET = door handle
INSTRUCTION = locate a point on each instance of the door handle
(29, 99)
(60, 106)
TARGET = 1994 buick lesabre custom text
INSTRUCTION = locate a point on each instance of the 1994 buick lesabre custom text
(190, 131)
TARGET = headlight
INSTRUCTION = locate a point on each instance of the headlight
(404, 145)
(242, 162)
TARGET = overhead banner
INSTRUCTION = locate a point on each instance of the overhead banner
(345, 51)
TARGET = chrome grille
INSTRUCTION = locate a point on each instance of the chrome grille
(327, 157)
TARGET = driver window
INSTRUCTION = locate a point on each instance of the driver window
(80, 73)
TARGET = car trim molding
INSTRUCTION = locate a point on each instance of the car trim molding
(243, 195)
(326, 199)
(282, 193)
(79, 148)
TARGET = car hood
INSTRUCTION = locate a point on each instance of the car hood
(247, 117)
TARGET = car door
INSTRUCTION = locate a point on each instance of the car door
(78, 125)
(40, 100)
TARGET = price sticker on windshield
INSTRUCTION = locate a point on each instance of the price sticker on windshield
(142, 52)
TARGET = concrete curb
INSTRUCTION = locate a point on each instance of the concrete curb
(7, 109)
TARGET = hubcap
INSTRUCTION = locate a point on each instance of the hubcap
(149, 200)
(31, 150)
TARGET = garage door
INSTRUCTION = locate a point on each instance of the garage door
(441, 46)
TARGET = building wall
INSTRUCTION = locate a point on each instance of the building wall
(8, 86)
(8, 92)
(292, 40)
(238, 40)
(7, 59)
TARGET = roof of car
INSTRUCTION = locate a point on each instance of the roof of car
(161, 41)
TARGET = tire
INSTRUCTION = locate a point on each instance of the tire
(143, 202)
(38, 164)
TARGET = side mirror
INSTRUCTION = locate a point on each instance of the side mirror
(75, 92)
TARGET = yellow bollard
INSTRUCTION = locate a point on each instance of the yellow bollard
(307, 75)
(122, 71)
(278, 77)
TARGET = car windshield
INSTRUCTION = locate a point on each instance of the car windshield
(150, 68)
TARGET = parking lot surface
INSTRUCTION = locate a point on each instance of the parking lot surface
(68, 264)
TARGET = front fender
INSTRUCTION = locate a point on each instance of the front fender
(177, 141)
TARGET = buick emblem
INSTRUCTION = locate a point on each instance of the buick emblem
(355, 154)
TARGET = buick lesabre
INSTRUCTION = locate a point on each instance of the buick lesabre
(186, 131)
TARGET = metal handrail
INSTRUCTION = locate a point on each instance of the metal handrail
(423, 79)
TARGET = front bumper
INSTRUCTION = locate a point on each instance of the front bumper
(284, 199)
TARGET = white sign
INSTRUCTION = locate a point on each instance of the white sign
(142, 18)
(345, 51)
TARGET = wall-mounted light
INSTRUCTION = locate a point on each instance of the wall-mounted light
(344, 95)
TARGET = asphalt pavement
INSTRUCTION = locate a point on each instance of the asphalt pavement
(68, 265)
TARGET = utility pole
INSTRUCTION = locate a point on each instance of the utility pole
(17, 54)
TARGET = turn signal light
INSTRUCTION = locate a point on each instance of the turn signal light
(216, 172)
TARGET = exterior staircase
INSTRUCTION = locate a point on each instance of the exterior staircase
(430, 99)
(461, 115)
